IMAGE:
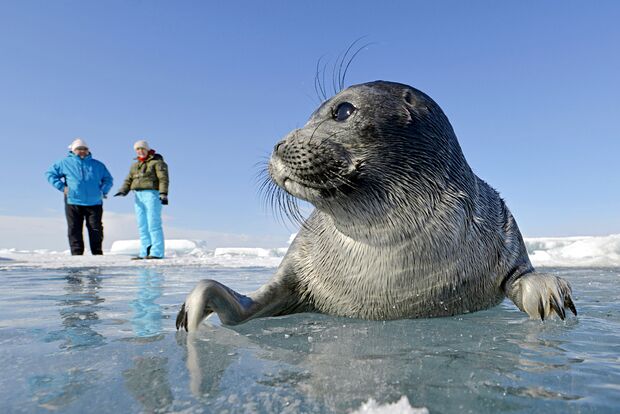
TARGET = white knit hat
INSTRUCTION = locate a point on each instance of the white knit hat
(78, 142)
(141, 144)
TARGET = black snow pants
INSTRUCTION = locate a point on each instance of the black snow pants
(76, 215)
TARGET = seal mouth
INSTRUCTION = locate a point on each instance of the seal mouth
(320, 187)
(309, 191)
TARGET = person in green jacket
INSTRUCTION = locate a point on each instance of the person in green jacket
(148, 178)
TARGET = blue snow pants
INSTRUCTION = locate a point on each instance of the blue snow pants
(148, 214)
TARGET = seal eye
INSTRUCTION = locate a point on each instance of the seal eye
(343, 111)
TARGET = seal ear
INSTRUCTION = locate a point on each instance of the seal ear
(414, 106)
(408, 96)
(414, 101)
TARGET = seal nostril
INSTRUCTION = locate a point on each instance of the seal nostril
(279, 147)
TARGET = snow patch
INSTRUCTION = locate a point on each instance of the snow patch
(587, 251)
(179, 252)
(174, 248)
(249, 251)
(402, 406)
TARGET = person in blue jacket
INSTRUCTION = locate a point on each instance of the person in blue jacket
(85, 182)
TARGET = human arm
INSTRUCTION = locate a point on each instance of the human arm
(56, 177)
(161, 170)
(106, 181)
(124, 190)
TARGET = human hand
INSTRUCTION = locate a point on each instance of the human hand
(164, 199)
(65, 190)
(120, 193)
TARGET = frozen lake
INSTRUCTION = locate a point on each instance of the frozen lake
(102, 339)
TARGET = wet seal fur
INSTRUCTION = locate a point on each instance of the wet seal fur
(402, 227)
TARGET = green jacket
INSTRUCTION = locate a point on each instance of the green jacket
(151, 174)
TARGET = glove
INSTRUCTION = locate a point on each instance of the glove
(164, 199)
(120, 193)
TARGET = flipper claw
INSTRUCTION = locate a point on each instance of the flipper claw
(557, 308)
(568, 302)
(541, 309)
(182, 318)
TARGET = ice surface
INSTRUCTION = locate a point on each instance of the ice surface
(104, 341)
(587, 251)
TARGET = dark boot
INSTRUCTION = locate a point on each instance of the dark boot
(148, 251)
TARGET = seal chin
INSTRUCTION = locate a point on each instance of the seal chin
(299, 190)
(314, 195)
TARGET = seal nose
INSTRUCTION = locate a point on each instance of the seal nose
(279, 148)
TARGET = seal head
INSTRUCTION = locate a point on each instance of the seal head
(373, 150)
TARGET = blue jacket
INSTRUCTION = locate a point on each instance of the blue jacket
(88, 179)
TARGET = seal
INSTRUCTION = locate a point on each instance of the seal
(402, 227)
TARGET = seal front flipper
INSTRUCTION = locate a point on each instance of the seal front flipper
(541, 295)
(232, 307)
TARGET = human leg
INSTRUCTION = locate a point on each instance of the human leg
(156, 232)
(143, 227)
(94, 225)
(75, 224)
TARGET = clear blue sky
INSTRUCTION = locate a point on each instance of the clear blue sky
(532, 90)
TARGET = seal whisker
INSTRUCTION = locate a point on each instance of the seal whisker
(316, 129)
(261, 168)
(334, 74)
(283, 206)
(319, 87)
(269, 192)
(342, 74)
(324, 83)
(266, 190)
(292, 211)
(281, 203)
(272, 199)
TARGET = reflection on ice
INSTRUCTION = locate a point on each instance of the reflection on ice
(475, 359)
(54, 392)
(147, 380)
(78, 311)
(207, 358)
(147, 314)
